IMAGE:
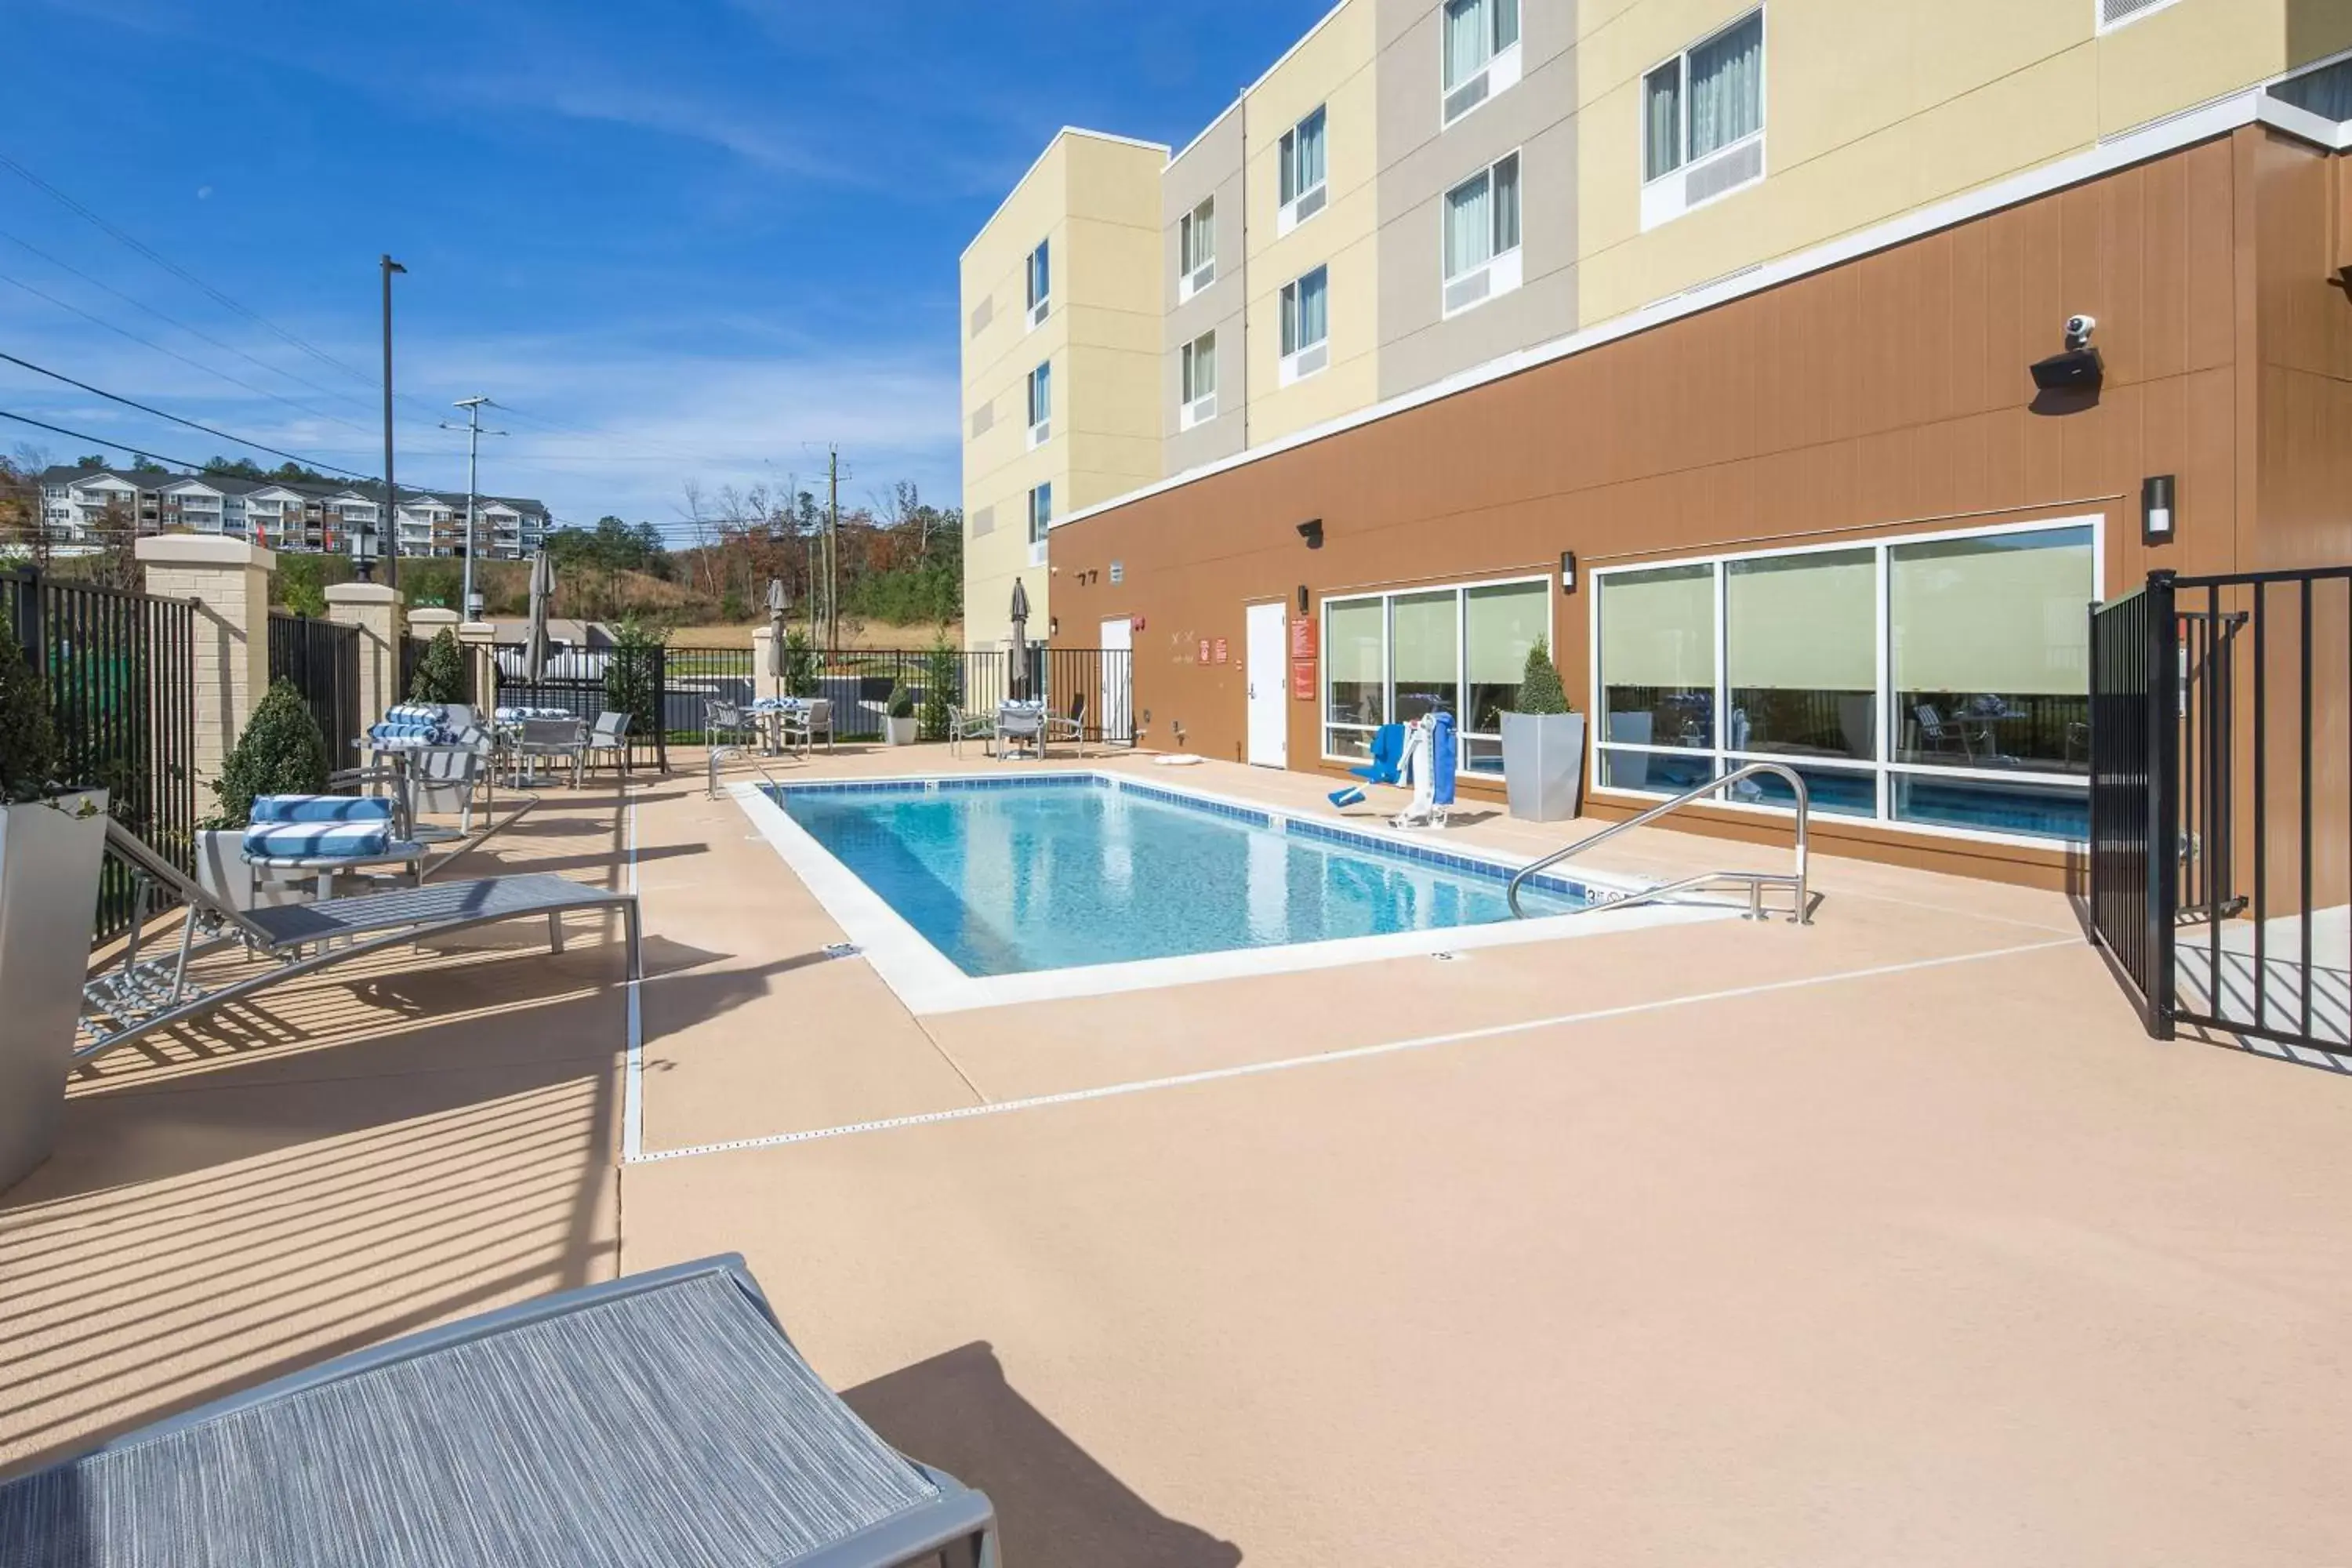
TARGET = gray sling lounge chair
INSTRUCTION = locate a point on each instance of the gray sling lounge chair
(140, 991)
(659, 1420)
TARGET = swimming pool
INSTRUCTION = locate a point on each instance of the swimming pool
(1010, 877)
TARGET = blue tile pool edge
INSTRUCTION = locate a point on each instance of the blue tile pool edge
(1274, 819)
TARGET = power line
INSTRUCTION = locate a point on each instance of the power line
(97, 440)
(191, 423)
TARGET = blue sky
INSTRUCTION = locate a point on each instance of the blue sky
(692, 239)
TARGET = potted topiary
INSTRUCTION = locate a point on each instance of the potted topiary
(1543, 745)
(898, 722)
(282, 751)
(52, 844)
(441, 671)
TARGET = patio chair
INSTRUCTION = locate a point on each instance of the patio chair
(726, 723)
(964, 725)
(806, 723)
(661, 1419)
(1020, 724)
(133, 994)
(1950, 736)
(608, 736)
(557, 739)
(1072, 727)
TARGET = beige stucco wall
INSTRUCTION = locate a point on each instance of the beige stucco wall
(1876, 107)
(1094, 200)
(1335, 66)
(1209, 170)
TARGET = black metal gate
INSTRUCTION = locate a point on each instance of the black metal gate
(321, 660)
(122, 681)
(2222, 802)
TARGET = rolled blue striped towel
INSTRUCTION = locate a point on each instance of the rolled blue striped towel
(321, 808)
(317, 840)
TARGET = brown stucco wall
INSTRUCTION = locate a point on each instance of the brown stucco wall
(1886, 396)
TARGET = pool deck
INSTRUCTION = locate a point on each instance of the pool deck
(1890, 1239)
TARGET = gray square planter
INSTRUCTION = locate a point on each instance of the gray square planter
(49, 856)
(1543, 764)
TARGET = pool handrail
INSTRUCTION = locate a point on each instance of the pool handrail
(1757, 881)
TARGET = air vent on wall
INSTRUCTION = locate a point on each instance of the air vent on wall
(1716, 175)
(1037, 312)
(1203, 275)
(1468, 291)
(984, 522)
(981, 314)
(1311, 204)
(2116, 12)
(1466, 98)
(982, 418)
(1309, 361)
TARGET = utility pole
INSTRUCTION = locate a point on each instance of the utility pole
(474, 432)
(833, 547)
(391, 523)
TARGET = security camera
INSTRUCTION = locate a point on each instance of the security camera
(2079, 329)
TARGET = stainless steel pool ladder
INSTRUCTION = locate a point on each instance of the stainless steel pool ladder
(1756, 881)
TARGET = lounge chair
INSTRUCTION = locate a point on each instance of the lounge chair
(662, 1420)
(136, 993)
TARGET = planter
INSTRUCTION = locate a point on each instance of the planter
(900, 732)
(49, 857)
(1543, 764)
(222, 871)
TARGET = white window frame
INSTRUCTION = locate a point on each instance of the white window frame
(1461, 591)
(1665, 197)
(1308, 200)
(1882, 764)
(1041, 519)
(1503, 269)
(1302, 360)
(2101, 27)
(1040, 409)
(1499, 74)
(1040, 299)
(1192, 276)
(1194, 410)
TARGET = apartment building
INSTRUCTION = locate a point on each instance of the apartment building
(1701, 338)
(81, 506)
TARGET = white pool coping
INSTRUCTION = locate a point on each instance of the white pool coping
(927, 981)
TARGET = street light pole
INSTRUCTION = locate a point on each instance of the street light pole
(391, 495)
(474, 432)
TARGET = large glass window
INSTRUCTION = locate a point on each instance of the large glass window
(1991, 651)
(1306, 318)
(1425, 653)
(1705, 99)
(1391, 657)
(1040, 394)
(1301, 158)
(1475, 31)
(1657, 656)
(1499, 624)
(1355, 673)
(1972, 713)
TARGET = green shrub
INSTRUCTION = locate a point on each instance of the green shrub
(440, 675)
(800, 666)
(942, 667)
(900, 703)
(28, 738)
(1540, 687)
(301, 584)
(282, 751)
(629, 675)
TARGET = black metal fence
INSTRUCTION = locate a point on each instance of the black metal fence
(321, 660)
(2222, 801)
(1096, 685)
(634, 680)
(120, 669)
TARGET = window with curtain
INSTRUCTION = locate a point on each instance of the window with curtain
(1726, 86)
(1196, 242)
(1657, 656)
(1200, 367)
(1799, 655)
(1482, 218)
(1305, 312)
(1425, 653)
(1040, 394)
(1473, 32)
(1040, 512)
(1661, 119)
(1040, 277)
(1989, 651)
(1301, 157)
(1355, 673)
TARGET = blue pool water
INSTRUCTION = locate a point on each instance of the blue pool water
(1009, 876)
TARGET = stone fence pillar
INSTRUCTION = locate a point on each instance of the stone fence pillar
(228, 581)
(374, 608)
(763, 685)
(427, 622)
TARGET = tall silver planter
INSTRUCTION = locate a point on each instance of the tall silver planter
(49, 857)
(1543, 764)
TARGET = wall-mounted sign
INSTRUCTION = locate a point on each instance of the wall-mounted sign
(1221, 650)
(1302, 638)
(1302, 679)
(1118, 573)
(1205, 650)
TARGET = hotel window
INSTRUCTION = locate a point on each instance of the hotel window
(1301, 174)
(1941, 682)
(1391, 657)
(1041, 519)
(1196, 249)
(1199, 374)
(1041, 404)
(1479, 42)
(1306, 325)
(1703, 122)
(1482, 236)
(1040, 283)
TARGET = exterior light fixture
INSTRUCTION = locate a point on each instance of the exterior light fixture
(474, 602)
(1302, 598)
(364, 550)
(1311, 530)
(2156, 509)
(1567, 571)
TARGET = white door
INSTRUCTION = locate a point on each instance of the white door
(1269, 728)
(1114, 702)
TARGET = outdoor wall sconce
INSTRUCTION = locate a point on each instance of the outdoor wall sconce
(1052, 626)
(2156, 509)
(1311, 530)
(1567, 571)
(1302, 598)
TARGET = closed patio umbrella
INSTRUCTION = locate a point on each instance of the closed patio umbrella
(543, 591)
(1019, 683)
(777, 602)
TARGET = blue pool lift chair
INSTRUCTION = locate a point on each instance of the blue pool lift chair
(1385, 766)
